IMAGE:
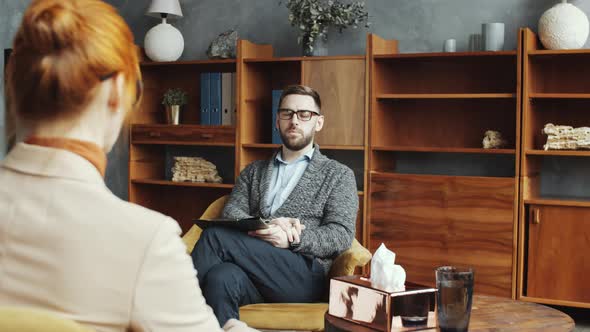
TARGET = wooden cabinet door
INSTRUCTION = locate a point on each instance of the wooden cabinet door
(558, 253)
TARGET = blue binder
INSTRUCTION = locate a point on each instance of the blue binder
(215, 93)
(205, 99)
(276, 135)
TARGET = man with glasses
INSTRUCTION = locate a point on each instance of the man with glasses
(312, 203)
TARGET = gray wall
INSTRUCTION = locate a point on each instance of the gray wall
(419, 25)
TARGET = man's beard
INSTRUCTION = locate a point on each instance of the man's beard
(296, 144)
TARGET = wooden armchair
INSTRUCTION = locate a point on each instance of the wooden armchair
(286, 316)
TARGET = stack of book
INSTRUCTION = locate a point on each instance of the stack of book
(218, 99)
(194, 169)
(276, 135)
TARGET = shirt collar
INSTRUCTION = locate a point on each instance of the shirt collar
(307, 155)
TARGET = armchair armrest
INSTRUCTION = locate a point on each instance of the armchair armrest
(346, 262)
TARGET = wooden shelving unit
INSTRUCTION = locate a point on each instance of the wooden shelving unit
(426, 187)
(440, 104)
(555, 226)
(153, 144)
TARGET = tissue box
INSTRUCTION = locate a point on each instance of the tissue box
(354, 299)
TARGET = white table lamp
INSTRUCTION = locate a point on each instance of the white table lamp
(164, 42)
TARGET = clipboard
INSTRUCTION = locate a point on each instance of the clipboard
(246, 224)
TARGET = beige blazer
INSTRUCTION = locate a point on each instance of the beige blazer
(68, 245)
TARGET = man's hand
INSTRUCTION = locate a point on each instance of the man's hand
(282, 232)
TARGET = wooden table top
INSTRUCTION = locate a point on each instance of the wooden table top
(491, 313)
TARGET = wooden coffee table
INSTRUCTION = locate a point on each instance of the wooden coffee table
(490, 313)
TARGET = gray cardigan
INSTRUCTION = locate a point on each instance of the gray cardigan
(325, 200)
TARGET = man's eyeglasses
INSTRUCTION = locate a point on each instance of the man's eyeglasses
(138, 87)
(303, 115)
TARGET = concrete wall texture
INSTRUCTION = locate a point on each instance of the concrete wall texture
(419, 25)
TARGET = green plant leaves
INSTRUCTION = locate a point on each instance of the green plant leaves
(174, 96)
(313, 17)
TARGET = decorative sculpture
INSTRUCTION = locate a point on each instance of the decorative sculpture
(566, 137)
(223, 46)
(493, 140)
(194, 169)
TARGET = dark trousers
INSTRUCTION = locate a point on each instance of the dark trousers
(235, 269)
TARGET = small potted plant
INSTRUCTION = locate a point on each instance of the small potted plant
(314, 17)
(173, 99)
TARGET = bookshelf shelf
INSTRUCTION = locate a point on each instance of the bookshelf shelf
(182, 184)
(460, 55)
(559, 95)
(560, 53)
(570, 153)
(223, 136)
(191, 63)
(558, 201)
(388, 96)
(442, 150)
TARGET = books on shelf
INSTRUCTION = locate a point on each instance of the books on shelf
(276, 135)
(218, 101)
(205, 99)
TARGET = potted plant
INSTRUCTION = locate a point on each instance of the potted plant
(173, 99)
(314, 17)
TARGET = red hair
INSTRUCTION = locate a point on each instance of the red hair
(61, 51)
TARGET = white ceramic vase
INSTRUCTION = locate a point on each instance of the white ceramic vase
(563, 26)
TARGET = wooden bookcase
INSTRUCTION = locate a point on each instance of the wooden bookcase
(436, 197)
(555, 209)
(341, 82)
(153, 143)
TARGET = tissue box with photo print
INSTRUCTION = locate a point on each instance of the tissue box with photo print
(355, 299)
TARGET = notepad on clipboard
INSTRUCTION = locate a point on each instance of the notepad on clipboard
(246, 224)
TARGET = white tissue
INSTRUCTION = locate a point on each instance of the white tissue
(385, 274)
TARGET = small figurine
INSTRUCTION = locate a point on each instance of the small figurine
(493, 140)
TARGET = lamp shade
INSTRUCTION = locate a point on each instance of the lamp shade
(170, 7)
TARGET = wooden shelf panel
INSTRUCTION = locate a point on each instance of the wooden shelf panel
(182, 184)
(314, 58)
(387, 96)
(560, 95)
(540, 53)
(446, 220)
(446, 55)
(559, 201)
(191, 62)
(564, 153)
(146, 142)
(408, 176)
(183, 135)
(442, 150)
(322, 147)
(260, 146)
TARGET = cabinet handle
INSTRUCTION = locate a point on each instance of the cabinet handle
(536, 216)
(154, 134)
(207, 136)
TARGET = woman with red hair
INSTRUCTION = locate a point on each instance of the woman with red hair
(67, 244)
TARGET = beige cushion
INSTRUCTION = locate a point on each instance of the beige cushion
(285, 316)
(13, 319)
